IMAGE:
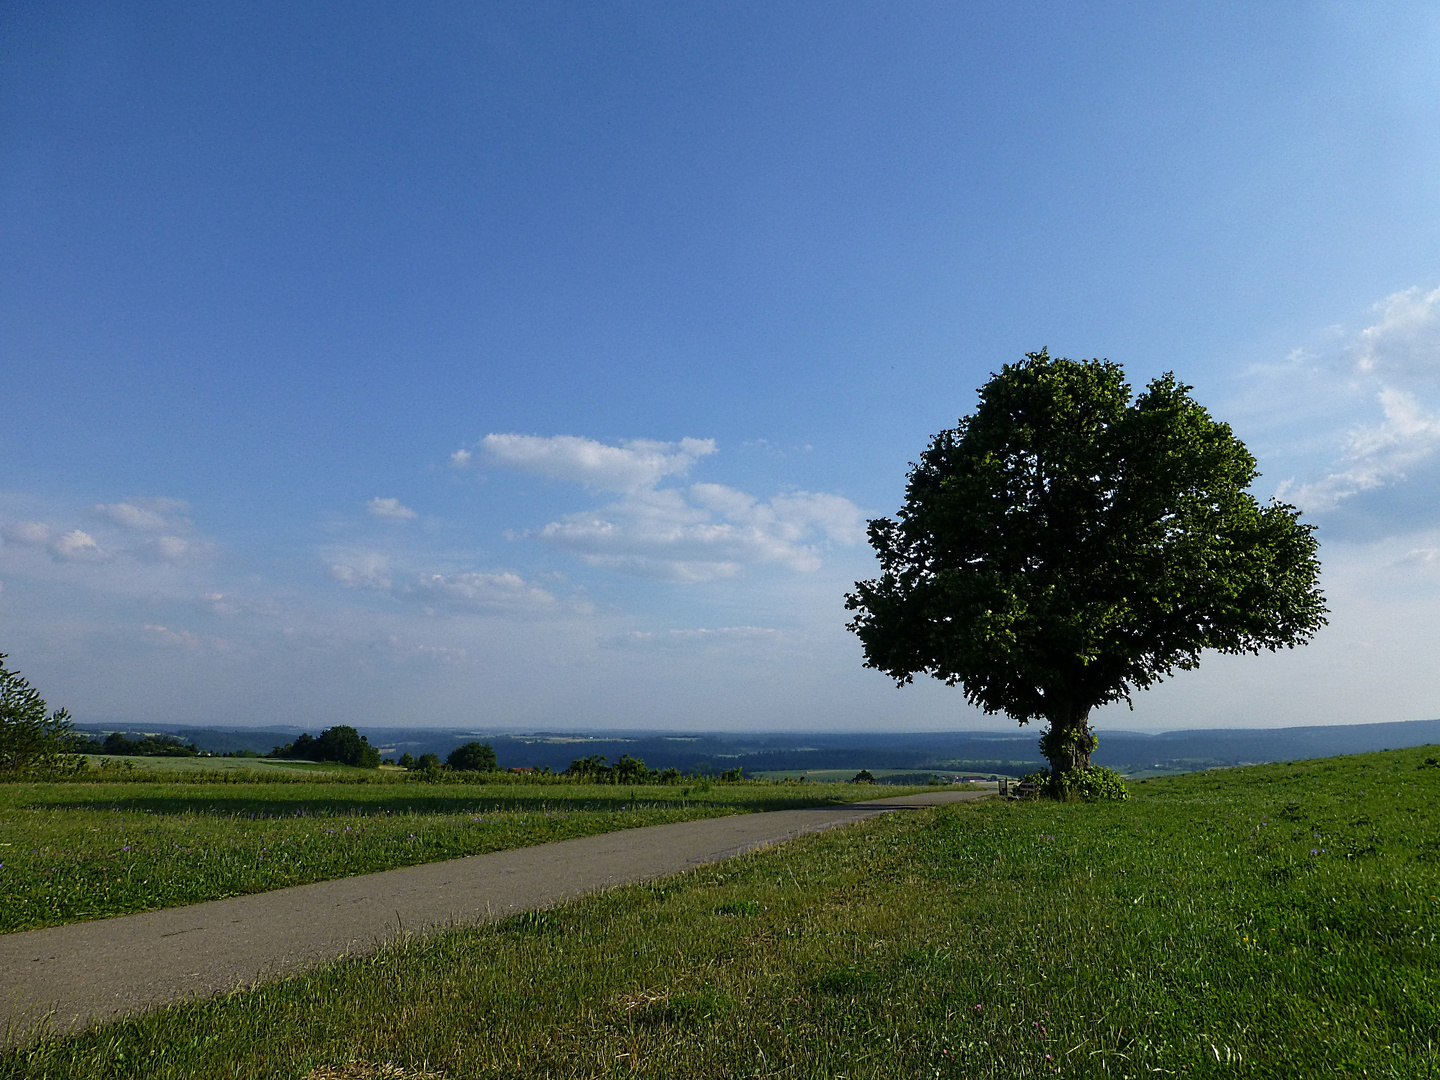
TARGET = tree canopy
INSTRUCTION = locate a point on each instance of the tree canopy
(32, 740)
(1070, 543)
(473, 757)
(341, 744)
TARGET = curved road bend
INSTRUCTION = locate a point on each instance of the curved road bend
(64, 978)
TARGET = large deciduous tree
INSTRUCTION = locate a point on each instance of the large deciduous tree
(1070, 543)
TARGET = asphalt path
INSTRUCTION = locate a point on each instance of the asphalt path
(64, 978)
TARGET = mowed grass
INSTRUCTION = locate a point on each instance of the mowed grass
(72, 851)
(1276, 921)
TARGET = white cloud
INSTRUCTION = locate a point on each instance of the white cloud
(477, 591)
(631, 466)
(714, 533)
(180, 639)
(144, 515)
(389, 509)
(1376, 455)
(217, 603)
(1393, 362)
(27, 532)
(699, 533)
(77, 545)
(1406, 340)
(1425, 558)
(467, 591)
(174, 549)
(407, 650)
(460, 459)
(700, 637)
(362, 570)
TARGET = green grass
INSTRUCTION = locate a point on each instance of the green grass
(1275, 921)
(83, 850)
(104, 763)
(840, 776)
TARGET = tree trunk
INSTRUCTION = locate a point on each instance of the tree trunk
(1069, 741)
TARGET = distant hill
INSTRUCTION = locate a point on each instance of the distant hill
(987, 752)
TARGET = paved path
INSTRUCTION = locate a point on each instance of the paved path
(68, 977)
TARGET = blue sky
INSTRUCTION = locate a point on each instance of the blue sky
(537, 365)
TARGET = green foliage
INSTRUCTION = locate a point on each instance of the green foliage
(1068, 743)
(341, 744)
(1270, 923)
(117, 743)
(1094, 783)
(32, 740)
(864, 776)
(425, 763)
(1040, 780)
(473, 757)
(596, 768)
(1067, 545)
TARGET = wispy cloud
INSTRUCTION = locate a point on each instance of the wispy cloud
(468, 591)
(151, 514)
(148, 529)
(1404, 343)
(632, 465)
(387, 509)
(1374, 455)
(693, 533)
(29, 533)
(77, 544)
(1394, 362)
(695, 638)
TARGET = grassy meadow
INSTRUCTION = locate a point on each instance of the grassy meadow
(1270, 921)
(106, 763)
(88, 849)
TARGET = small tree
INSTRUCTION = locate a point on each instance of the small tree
(473, 757)
(1066, 545)
(32, 741)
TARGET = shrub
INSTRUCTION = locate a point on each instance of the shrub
(864, 776)
(1094, 783)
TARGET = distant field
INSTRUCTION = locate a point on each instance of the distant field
(203, 764)
(1265, 922)
(840, 776)
(84, 850)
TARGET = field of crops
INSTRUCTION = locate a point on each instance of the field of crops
(71, 851)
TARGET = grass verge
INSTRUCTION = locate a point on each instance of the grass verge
(1274, 921)
(82, 850)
